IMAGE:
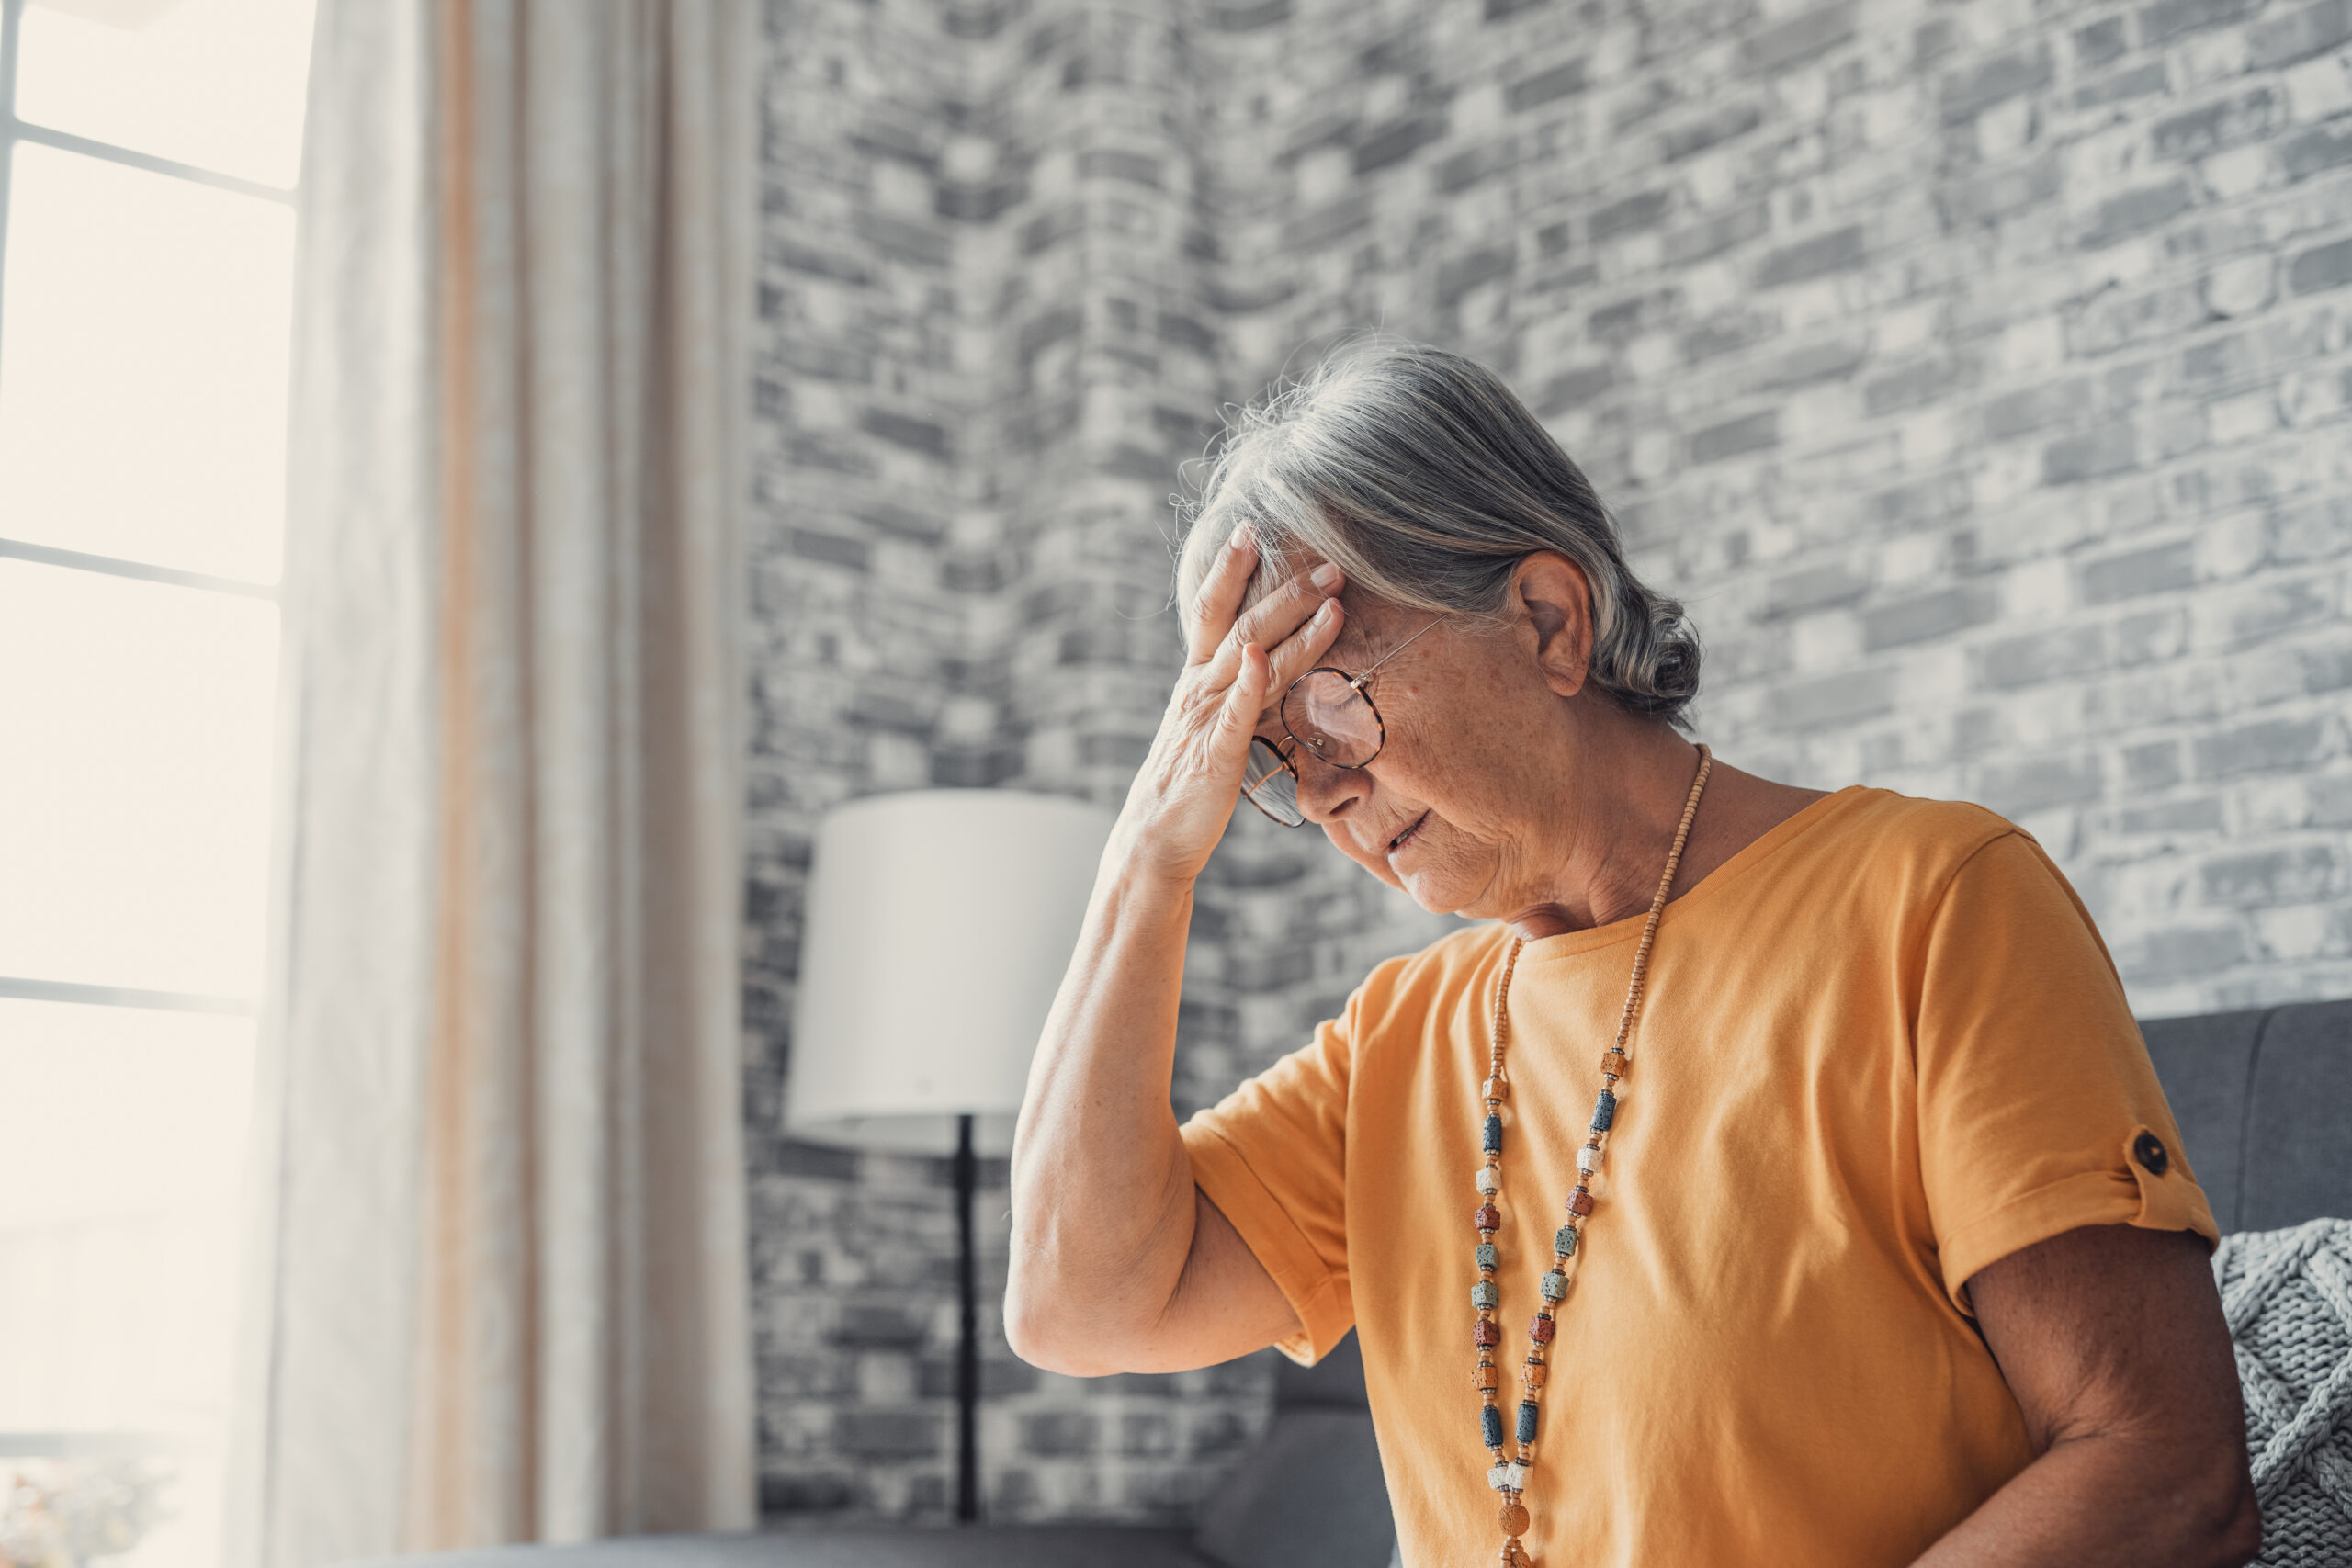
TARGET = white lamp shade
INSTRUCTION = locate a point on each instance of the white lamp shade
(939, 924)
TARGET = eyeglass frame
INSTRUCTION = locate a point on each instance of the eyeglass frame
(1356, 683)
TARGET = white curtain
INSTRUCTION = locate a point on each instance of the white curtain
(499, 1291)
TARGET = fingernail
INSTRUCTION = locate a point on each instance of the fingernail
(1325, 577)
(1324, 615)
(1240, 538)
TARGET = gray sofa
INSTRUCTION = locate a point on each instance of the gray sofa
(2264, 1099)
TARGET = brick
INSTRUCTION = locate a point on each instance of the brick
(2320, 268)
(832, 549)
(2202, 814)
(2148, 76)
(1815, 588)
(2138, 211)
(1396, 143)
(1638, 211)
(2297, 875)
(1728, 334)
(2184, 952)
(1833, 700)
(1912, 387)
(2033, 409)
(1814, 362)
(2064, 653)
(2319, 147)
(1573, 388)
(1750, 432)
(2153, 766)
(2298, 33)
(1546, 86)
(2158, 568)
(887, 1434)
(1928, 617)
(2101, 43)
(1718, 234)
(2040, 783)
(1461, 274)
(2169, 19)
(2242, 117)
(1836, 251)
(2266, 746)
(1962, 95)
(921, 436)
(1800, 37)
(1057, 1433)
(2113, 449)
(1717, 126)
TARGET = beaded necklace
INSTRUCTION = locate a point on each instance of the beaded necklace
(1508, 1476)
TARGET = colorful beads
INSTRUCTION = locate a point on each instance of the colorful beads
(1497, 1087)
(1490, 1426)
(1488, 1256)
(1513, 1518)
(1579, 1202)
(1489, 1179)
(1554, 1285)
(1588, 1159)
(1540, 1329)
(1616, 1063)
(1488, 1376)
(1488, 1218)
(1485, 1332)
(1510, 1476)
(1526, 1426)
(1485, 1295)
(1564, 1241)
(1604, 1111)
(1492, 1135)
(1535, 1373)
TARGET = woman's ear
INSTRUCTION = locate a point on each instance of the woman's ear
(1552, 592)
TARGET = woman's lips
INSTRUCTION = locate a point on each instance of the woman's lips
(1401, 839)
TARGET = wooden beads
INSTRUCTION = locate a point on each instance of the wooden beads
(1510, 1476)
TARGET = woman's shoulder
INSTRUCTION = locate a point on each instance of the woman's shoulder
(1883, 821)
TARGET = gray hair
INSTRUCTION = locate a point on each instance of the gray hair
(1419, 474)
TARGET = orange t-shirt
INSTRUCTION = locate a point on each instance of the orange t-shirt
(1881, 1048)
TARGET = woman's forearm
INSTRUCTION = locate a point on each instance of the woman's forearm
(2093, 1502)
(1103, 1203)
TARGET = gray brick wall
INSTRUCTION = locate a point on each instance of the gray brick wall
(1977, 371)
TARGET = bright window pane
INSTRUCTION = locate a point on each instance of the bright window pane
(143, 367)
(122, 1143)
(134, 806)
(213, 83)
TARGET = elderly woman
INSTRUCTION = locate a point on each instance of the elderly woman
(1771, 1176)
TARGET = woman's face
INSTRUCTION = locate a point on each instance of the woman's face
(1459, 809)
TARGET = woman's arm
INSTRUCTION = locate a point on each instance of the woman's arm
(1118, 1263)
(2111, 1338)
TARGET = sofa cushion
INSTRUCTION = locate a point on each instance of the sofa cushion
(2297, 1158)
(2205, 1063)
(874, 1546)
(2287, 1297)
(1309, 1496)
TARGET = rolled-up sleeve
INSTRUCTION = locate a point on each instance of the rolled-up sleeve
(1272, 1156)
(2038, 1110)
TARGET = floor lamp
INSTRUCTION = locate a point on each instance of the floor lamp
(938, 925)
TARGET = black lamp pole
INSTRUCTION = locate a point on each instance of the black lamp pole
(967, 1343)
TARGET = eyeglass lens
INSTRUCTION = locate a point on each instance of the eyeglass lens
(1332, 719)
(1270, 786)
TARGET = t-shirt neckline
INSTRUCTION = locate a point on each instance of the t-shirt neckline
(1572, 944)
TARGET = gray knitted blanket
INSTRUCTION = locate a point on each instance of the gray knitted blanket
(2287, 1295)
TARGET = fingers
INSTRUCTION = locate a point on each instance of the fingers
(1304, 648)
(1244, 701)
(1282, 613)
(1220, 600)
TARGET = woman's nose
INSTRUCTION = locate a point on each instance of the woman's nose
(1325, 792)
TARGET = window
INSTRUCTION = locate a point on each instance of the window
(148, 151)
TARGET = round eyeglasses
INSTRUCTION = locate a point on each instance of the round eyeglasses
(1328, 715)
